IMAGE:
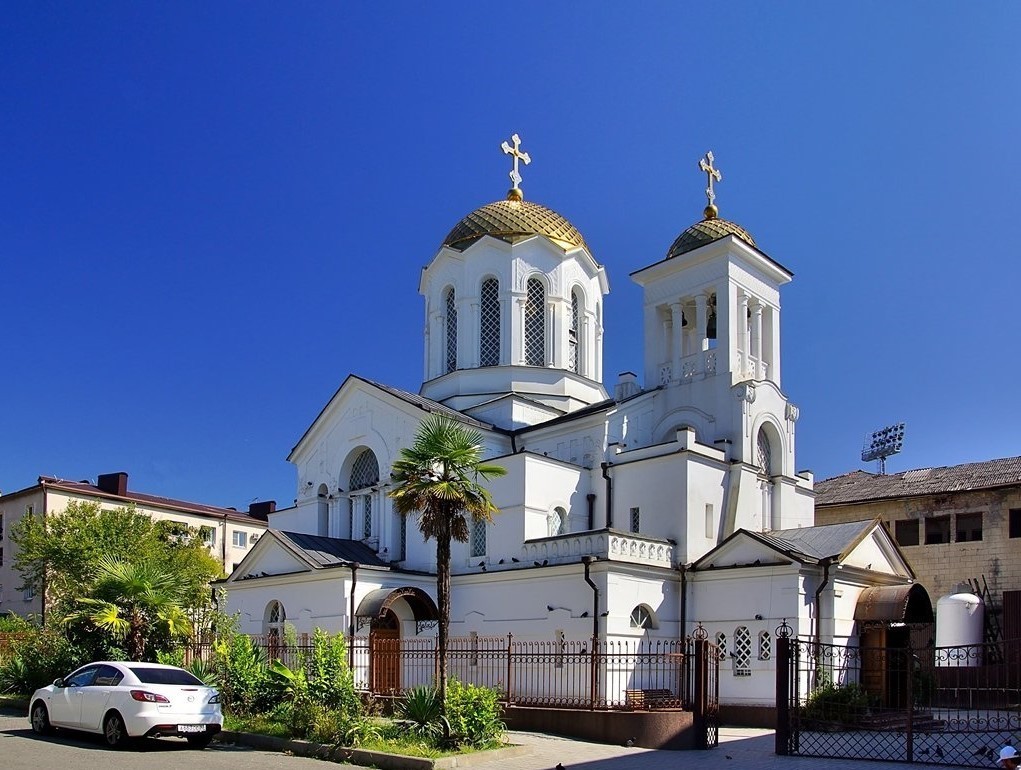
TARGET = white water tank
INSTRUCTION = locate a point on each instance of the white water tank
(959, 625)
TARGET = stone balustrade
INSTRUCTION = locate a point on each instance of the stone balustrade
(604, 544)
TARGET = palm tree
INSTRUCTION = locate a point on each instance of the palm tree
(135, 603)
(439, 476)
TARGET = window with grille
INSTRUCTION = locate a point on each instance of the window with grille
(557, 522)
(451, 310)
(489, 323)
(642, 617)
(721, 645)
(764, 453)
(765, 645)
(573, 334)
(636, 520)
(276, 617)
(742, 652)
(535, 324)
(364, 473)
(478, 538)
(402, 546)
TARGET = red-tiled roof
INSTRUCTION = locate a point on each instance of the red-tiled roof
(861, 486)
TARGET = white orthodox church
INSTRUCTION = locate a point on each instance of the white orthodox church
(635, 513)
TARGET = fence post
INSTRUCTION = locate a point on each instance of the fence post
(698, 706)
(783, 696)
(510, 671)
(909, 729)
(593, 675)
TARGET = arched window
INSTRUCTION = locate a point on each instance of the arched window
(742, 652)
(642, 616)
(556, 522)
(721, 644)
(765, 645)
(764, 453)
(364, 474)
(451, 310)
(535, 323)
(273, 625)
(489, 323)
(574, 335)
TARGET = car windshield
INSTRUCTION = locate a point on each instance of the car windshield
(164, 676)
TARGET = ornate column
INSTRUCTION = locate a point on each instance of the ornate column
(742, 332)
(517, 356)
(676, 339)
(701, 320)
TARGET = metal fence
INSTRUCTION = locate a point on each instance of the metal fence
(944, 705)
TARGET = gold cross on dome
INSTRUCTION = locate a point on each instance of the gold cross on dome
(517, 154)
(706, 165)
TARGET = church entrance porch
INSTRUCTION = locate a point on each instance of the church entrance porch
(384, 654)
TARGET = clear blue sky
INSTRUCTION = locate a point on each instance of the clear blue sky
(211, 213)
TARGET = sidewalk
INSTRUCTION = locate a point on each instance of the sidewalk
(739, 747)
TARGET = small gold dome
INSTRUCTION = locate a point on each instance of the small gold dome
(512, 220)
(710, 229)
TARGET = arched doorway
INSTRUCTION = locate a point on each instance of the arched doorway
(386, 609)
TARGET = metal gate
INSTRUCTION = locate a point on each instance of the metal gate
(945, 705)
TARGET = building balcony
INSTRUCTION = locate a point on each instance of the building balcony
(608, 544)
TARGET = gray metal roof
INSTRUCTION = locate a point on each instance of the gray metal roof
(330, 551)
(860, 486)
(820, 542)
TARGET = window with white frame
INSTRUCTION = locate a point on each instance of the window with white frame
(240, 539)
(364, 474)
(742, 652)
(29, 594)
(478, 537)
(275, 619)
(642, 616)
(489, 323)
(208, 535)
(765, 645)
(535, 323)
(451, 311)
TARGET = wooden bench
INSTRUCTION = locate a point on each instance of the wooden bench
(646, 700)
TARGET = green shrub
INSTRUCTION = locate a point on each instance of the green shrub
(844, 704)
(473, 713)
(242, 675)
(330, 680)
(36, 659)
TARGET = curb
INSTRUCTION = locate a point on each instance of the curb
(369, 758)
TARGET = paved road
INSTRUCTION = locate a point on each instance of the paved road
(20, 749)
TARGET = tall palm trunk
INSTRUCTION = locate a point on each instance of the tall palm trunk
(443, 597)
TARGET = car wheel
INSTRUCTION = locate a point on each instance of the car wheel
(114, 732)
(40, 719)
(199, 741)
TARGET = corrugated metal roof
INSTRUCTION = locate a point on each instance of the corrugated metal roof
(861, 486)
(331, 551)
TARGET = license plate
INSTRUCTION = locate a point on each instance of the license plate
(191, 728)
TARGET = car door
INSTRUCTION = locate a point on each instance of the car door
(66, 706)
(96, 696)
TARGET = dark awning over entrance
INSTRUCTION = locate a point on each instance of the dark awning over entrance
(376, 603)
(894, 604)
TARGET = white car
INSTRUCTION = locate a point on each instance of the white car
(124, 700)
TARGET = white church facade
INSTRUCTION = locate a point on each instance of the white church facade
(641, 513)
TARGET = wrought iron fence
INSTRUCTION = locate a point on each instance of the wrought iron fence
(946, 705)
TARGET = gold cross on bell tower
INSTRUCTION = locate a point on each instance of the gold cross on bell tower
(706, 165)
(514, 193)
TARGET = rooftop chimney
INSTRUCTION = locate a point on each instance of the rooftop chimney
(262, 510)
(627, 386)
(113, 483)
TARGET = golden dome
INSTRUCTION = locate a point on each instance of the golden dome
(710, 229)
(512, 220)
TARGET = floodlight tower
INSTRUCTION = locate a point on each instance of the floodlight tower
(882, 443)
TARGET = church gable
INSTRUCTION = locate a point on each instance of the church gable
(743, 549)
(877, 552)
(269, 557)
